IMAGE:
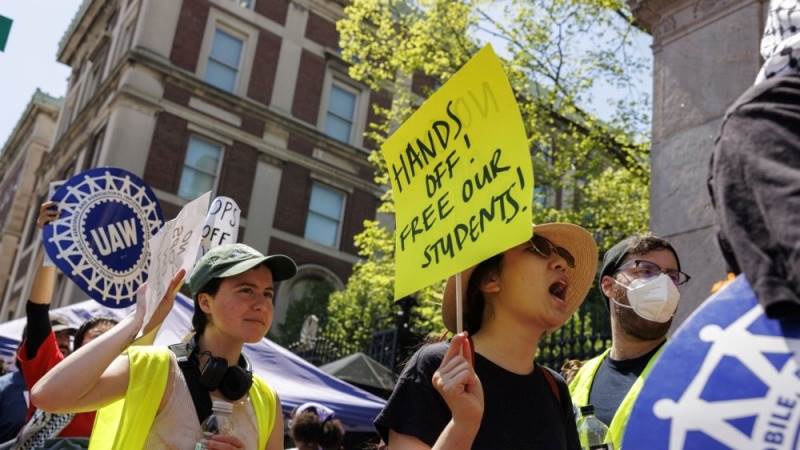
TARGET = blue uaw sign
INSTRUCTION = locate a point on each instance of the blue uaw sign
(729, 379)
(106, 217)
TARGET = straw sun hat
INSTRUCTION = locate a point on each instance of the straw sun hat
(573, 238)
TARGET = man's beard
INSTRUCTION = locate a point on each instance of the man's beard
(631, 323)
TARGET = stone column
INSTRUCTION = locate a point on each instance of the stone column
(706, 53)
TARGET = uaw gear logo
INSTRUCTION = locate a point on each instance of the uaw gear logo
(729, 379)
(100, 240)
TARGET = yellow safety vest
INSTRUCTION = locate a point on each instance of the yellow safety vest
(581, 386)
(126, 423)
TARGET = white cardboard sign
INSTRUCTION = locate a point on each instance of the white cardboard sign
(222, 224)
(174, 247)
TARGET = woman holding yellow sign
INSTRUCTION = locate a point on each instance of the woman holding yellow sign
(483, 390)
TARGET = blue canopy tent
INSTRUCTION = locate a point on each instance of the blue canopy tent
(295, 380)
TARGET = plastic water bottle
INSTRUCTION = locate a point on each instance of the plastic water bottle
(593, 433)
(219, 422)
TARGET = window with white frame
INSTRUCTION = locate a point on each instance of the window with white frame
(200, 168)
(124, 41)
(341, 112)
(223, 60)
(325, 213)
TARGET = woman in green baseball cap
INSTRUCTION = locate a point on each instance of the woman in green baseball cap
(145, 395)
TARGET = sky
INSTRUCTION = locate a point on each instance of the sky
(603, 96)
(29, 60)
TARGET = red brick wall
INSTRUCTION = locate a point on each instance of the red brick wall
(299, 144)
(308, 89)
(170, 211)
(273, 9)
(367, 172)
(265, 65)
(293, 198)
(167, 152)
(237, 174)
(322, 31)
(189, 34)
(302, 255)
(176, 94)
(253, 126)
(381, 99)
(360, 206)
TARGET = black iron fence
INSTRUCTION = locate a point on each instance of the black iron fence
(571, 342)
(328, 347)
(585, 335)
(324, 348)
(384, 347)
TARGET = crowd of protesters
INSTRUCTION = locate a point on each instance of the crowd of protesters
(481, 389)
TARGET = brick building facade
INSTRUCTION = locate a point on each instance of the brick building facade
(246, 98)
(20, 158)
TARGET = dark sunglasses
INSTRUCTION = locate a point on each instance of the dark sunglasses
(544, 248)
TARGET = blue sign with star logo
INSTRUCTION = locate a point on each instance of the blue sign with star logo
(106, 217)
(729, 379)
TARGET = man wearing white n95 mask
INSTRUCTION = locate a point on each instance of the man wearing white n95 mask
(639, 278)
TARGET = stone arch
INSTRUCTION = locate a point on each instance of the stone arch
(289, 289)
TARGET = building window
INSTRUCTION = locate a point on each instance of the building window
(93, 153)
(223, 61)
(200, 168)
(324, 215)
(341, 113)
(124, 41)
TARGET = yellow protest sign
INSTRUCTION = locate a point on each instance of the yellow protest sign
(461, 173)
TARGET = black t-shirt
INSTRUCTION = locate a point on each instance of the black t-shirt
(612, 382)
(38, 327)
(520, 411)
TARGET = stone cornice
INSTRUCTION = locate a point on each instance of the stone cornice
(663, 18)
(40, 103)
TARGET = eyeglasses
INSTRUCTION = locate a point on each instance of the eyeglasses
(646, 269)
(544, 248)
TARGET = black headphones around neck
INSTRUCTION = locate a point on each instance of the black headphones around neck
(233, 382)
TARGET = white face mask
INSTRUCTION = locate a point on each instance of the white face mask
(654, 299)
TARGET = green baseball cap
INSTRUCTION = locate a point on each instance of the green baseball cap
(232, 259)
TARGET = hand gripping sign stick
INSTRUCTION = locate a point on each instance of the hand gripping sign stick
(459, 315)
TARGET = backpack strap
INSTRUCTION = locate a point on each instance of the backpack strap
(191, 373)
(551, 382)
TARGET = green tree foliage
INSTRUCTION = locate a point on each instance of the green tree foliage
(587, 171)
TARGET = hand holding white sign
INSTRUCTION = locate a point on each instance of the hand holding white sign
(162, 309)
(173, 248)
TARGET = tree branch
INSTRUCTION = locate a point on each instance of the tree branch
(631, 20)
